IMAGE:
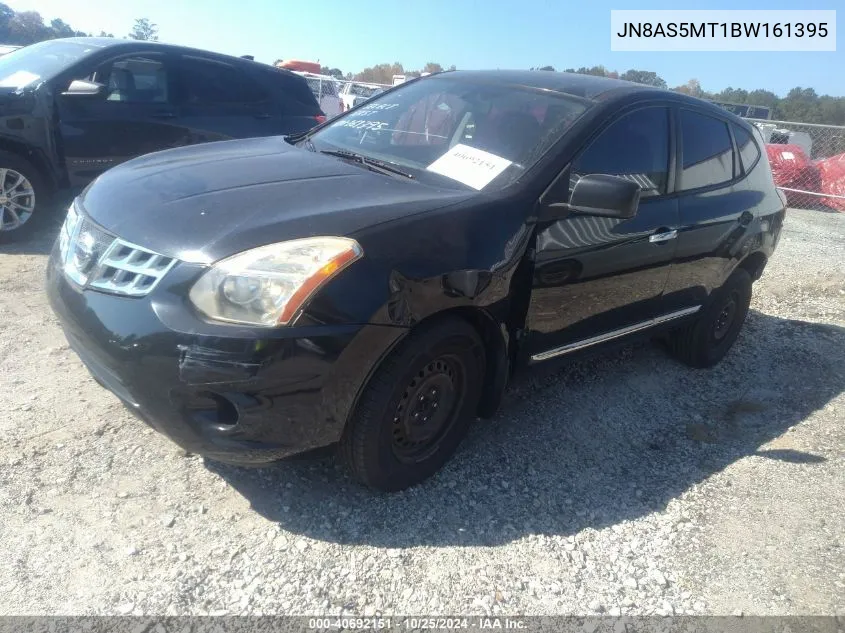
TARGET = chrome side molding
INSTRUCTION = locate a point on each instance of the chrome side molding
(613, 334)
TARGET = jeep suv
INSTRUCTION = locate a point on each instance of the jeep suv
(72, 108)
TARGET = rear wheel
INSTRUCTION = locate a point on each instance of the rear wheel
(417, 407)
(705, 342)
(23, 196)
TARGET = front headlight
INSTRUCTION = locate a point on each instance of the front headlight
(68, 228)
(267, 286)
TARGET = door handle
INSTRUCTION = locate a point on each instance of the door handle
(657, 238)
(163, 115)
(262, 115)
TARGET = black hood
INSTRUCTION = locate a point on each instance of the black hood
(205, 202)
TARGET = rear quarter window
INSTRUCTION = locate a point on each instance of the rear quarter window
(295, 91)
(749, 153)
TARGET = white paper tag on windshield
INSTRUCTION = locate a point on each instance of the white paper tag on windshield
(18, 79)
(470, 166)
(788, 155)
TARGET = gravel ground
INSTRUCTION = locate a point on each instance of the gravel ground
(624, 483)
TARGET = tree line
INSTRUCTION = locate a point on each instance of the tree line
(802, 105)
(28, 27)
(383, 73)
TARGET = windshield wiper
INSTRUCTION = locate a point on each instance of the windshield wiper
(296, 139)
(296, 136)
(371, 163)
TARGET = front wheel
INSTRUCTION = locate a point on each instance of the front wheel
(22, 193)
(705, 342)
(416, 408)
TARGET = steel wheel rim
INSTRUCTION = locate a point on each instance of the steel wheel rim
(17, 199)
(427, 410)
(726, 317)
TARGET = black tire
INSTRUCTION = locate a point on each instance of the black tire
(398, 434)
(705, 342)
(42, 193)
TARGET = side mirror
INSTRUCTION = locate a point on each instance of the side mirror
(80, 87)
(601, 195)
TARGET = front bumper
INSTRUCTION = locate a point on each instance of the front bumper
(234, 394)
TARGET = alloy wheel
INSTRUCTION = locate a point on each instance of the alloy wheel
(17, 199)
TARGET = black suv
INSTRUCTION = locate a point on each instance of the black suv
(72, 108)
(377, 282)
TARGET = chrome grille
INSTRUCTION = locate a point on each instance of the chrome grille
(101, 239)
(94, 258)
(129, 269)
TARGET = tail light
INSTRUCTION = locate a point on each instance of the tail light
(321, 118)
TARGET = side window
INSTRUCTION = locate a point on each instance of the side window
(708, 157)
(136, 79)
(748, 150)
(635, 147)
(210, 82)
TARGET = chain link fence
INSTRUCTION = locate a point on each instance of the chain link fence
(808, 162)
(327, 92)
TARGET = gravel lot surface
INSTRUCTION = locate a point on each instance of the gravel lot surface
(624, 484)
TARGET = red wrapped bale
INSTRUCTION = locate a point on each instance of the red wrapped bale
(793, 170)
(832, 174)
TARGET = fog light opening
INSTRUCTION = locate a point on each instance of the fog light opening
(217, 412)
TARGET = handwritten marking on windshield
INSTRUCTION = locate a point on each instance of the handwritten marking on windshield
(362, 125)
(379, 106)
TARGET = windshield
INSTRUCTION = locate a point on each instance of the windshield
(482, 135)
(38, 62)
